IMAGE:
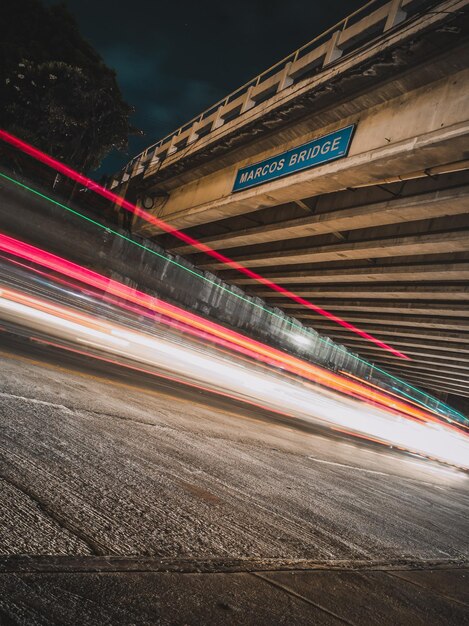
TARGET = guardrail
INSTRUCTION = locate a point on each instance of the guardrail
(353, 32)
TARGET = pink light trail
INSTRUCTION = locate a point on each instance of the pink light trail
(200, 327)
(164, 226)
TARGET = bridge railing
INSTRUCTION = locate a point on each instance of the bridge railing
(353, 32)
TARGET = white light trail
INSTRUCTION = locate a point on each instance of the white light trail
(227, 373)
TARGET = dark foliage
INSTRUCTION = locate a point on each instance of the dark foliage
(55, 89)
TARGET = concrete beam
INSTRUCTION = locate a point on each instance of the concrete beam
(425, 382)
(395, 15)
(436, 385)
(409, 245)
(395, 211)
(446, 350)
(423, 367)
(419, 323)
(432, 293)
(417, 373)
(375, 306)
(422, 379)
(429, 382)
(401, 335)
(424, 140)
(349, 70)
(390, 331)
(430, 364)
(418, 356)
(285, 80)
(414, 272)
(333, 51)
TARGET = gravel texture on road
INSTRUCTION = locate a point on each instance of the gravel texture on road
(105, 462)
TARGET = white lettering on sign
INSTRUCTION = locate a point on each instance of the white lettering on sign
(329, 147)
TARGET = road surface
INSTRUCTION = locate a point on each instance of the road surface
(99, 461)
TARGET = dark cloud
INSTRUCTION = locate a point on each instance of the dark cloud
(175, 58)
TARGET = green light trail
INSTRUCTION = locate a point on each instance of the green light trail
(228, 290)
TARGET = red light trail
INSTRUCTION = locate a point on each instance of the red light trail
(195, 324)
(164, 226)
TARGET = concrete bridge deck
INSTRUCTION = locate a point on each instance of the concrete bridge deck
(127, 499)
(379, 236)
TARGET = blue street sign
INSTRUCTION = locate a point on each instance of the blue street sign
(327, 148)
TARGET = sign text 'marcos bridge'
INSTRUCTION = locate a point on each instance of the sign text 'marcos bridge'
(327, 148)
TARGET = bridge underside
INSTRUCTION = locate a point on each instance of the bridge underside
(391, 258)
(380, 238)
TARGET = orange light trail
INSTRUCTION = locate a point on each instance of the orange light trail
(164, 226)
(217, 333)
(391, 393)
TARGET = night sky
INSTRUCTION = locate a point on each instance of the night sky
(175, 58)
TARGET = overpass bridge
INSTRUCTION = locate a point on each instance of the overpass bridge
(342, 173)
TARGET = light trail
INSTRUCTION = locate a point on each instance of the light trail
(395, 394)
(171, 357)
(200, 276)
(164, 226)
(203, 335)
(218, 333)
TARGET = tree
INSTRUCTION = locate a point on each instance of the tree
(55, 89)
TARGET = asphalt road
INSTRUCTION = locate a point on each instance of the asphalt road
(127, 499)
(97, 460)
